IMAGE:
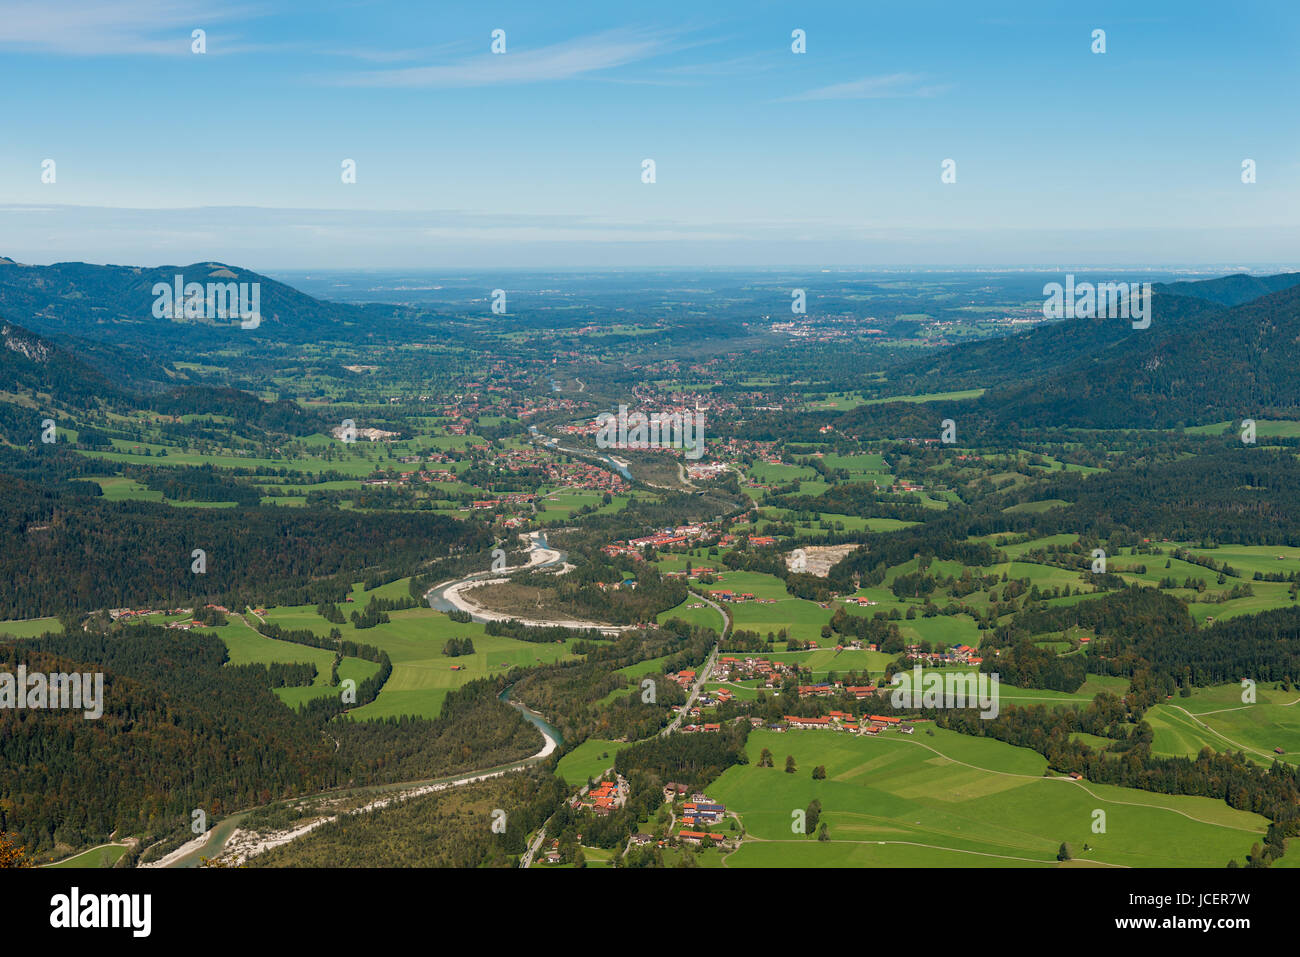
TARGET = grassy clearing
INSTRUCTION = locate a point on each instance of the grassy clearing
(414, 639)
(592, 757)
(1216, 718)
(30, 627)
(97, 857)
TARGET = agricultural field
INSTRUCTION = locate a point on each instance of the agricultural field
(589, 759)
(246, 646)
(414, 639)
(1217, 718)
(97, 857)
(30, 628)
(694, 611)
(955, 801)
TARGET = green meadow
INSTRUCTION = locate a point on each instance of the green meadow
(246, 646)
(956, 801)
(594, 756)
(106, 856)
(414, 639)
(702, 615)
(1264, 428)
(30, 627)
(1217, 718)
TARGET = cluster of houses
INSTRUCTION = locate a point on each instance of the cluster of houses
(712, 728)
(128, 614)
(764, 451)
(530, 407)
(956, 655)
(603, 798)
(513, 498)
(685, 836)
(576, 474)
(697, 809)
(697, 812)
(705, 472)
(184, 624)
(440, 458)
(686, 536)
(857, 645)
(844, 721)
(731, 668)
(827, 690)
(694, 575)
(664, 538)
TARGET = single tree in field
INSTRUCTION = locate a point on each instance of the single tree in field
(789, 764)
(765, 759)
(1064, 853)
(819, 773)
(811, 815)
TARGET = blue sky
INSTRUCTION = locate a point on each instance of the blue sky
(763, 156)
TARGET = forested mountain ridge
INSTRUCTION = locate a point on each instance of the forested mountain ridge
(62, 552)
(32, 362)
(1237, 363)
(45, 377)
(1234, 290)
(117, 304)
(1043, 349)
(1196, 363)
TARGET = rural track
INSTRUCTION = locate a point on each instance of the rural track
(940, 847)
(87, 851)
(1037, 777)
(1220, 734)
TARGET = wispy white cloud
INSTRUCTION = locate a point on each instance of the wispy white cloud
(115, 27)
(888, 86)
(560, 61)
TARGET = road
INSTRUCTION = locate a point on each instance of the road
(533, 848)
(705, 670)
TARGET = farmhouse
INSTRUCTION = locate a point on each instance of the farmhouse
(796, 722)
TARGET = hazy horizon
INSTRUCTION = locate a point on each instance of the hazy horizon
(339, 135)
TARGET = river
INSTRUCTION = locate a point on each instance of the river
(608, 461)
